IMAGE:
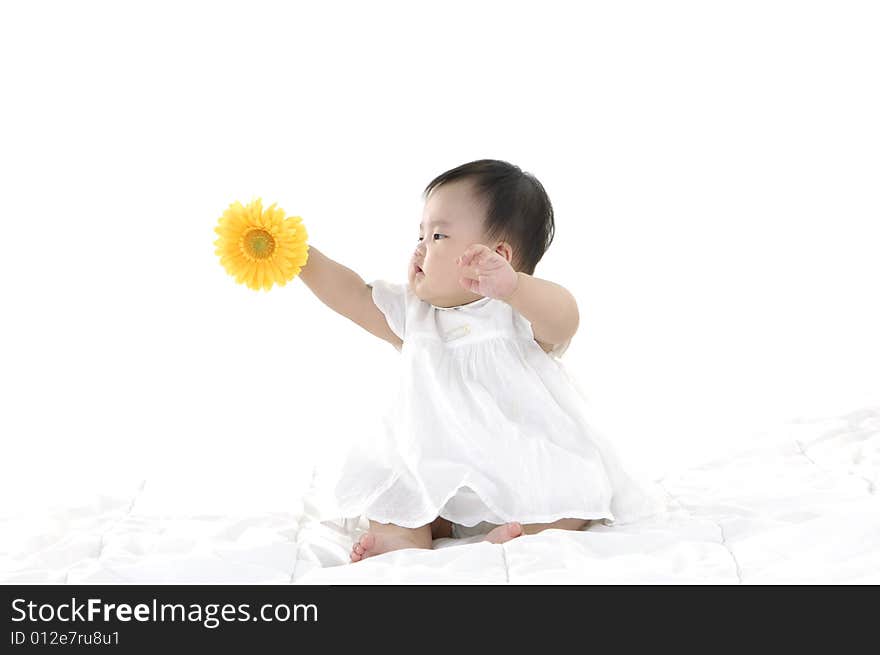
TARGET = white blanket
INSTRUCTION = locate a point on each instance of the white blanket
(800, 508)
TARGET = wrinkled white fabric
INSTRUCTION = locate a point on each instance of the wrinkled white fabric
(483, 427)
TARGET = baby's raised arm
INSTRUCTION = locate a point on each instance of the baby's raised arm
(346, 293)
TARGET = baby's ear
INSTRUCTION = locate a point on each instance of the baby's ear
(504, 249)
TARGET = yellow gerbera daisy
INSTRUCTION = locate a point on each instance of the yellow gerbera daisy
(260, 248)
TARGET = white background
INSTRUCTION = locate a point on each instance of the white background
(713, 169)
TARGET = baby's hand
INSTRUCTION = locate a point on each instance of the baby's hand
(487, 273)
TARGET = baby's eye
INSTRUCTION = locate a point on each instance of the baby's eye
(436, 235)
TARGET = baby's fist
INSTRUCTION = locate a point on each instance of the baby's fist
(485, 272)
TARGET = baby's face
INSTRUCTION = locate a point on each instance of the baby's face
(452, 220)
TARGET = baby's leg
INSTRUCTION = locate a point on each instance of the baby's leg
(385, 537)
(561, 524)
(512, 530)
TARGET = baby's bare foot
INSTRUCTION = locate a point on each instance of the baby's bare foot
(504, 532)
(376, 543)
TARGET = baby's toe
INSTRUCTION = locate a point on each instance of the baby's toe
(361, 546)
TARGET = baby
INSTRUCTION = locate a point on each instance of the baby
(487, 429)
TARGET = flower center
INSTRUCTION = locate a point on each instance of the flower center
(259, 244)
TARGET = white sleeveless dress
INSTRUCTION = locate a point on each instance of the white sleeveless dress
(485, 427)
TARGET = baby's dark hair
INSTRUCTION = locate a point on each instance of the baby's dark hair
(518, 209)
